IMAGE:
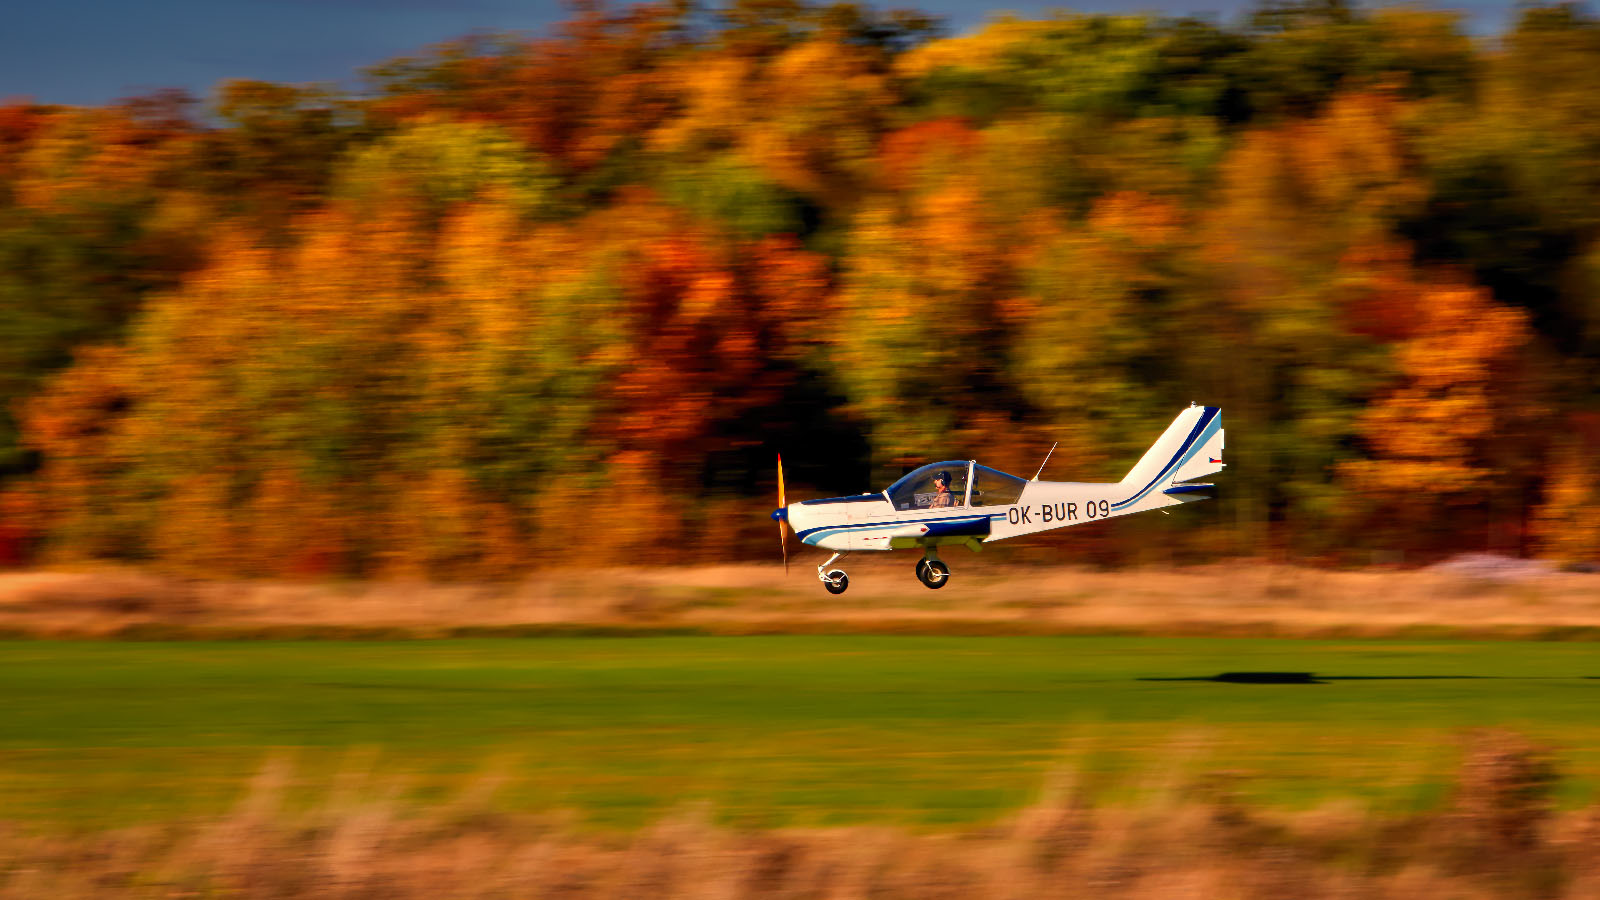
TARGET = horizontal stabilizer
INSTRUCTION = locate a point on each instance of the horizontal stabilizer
(1190, 493)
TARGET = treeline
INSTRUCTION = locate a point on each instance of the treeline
(522, 300)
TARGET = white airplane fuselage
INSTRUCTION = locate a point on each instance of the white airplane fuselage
(872, 523)
(1191, 448)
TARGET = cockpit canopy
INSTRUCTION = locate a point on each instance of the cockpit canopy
(926, 489)
(934, 486)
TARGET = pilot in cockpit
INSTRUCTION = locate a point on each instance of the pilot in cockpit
(941, 483)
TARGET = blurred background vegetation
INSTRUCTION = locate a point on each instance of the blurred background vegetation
(522, 301)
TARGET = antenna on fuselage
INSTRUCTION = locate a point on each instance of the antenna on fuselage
(1046, 460)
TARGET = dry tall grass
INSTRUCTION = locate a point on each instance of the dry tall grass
(1226, 598)
(1498, 839)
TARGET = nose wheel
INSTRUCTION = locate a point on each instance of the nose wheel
(933, 573)
(835, 580)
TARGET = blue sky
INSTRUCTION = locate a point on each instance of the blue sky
(82, 51)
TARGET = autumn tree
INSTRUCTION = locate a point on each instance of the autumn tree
(1443, 435)
(1564, 524)
(95, 214)
(278, 149)
(1087, 353)
(616, 266)
(1267, 326)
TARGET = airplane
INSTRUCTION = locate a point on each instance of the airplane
(959, 502)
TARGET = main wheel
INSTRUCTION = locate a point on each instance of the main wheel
(933, 573)
(837, 581)
(920, 563)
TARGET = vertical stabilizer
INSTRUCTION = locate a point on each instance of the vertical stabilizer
(1190, 448)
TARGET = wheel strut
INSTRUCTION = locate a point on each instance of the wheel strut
(834, 580)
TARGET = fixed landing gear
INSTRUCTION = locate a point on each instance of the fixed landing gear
(932, 571)
(835, 580)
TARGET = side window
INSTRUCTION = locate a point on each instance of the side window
(992, 487)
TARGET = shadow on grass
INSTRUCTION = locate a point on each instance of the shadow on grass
(1306, 678)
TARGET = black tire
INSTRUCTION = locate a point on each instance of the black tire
(837, 582)
(920, 563)
(934, 573)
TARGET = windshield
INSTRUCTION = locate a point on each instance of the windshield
(925, 489)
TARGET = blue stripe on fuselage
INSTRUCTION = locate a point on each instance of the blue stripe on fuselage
(821, 531)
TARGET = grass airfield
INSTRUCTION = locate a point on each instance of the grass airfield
(772, 730)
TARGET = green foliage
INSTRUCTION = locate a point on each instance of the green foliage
(1087, 352)
(1109, 66)
(915, 342)
(279, 149)
(1515, 193)
(734, 194)
(432, 165)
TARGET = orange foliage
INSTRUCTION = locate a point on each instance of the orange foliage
(707, 326)
(810, 116)
(18, 523)
(939, 145)
(18, 124)
(1432, 433)
(1565, 524)
(575, 96)
(83, 157)
(318, 546)
(1299, 193)
(1135, 221)
(1382, 297)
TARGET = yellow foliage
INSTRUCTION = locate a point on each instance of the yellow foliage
(983, 49)
(716, 96)
(820, 106)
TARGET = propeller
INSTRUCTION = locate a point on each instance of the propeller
(783, 524)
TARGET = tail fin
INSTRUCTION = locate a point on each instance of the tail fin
(1191, 447)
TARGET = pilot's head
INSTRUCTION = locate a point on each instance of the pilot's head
(941, 481)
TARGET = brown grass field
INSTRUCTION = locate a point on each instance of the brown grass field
(1498, 838)
(1232, 599)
